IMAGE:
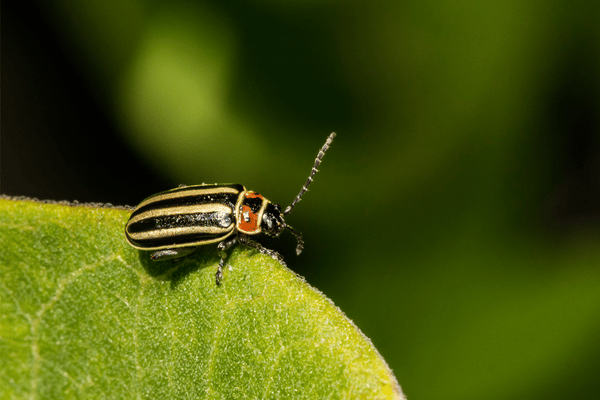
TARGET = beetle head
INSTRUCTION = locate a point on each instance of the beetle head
(273, 224)
(272, 221)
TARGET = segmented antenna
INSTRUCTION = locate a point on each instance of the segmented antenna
(300, 245)
(312, 173)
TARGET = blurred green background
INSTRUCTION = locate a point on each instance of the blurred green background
(456, 218)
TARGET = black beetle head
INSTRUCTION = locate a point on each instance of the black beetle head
(273, 224)
(272, 221)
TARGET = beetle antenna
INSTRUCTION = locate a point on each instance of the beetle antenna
(309, 180)
(298, 235)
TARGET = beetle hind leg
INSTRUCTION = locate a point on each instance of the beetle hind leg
(169, 254)
(221, 248)
(245, 240)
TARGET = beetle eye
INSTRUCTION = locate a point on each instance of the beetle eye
(269, 223)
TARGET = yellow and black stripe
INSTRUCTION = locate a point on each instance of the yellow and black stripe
(184, 217)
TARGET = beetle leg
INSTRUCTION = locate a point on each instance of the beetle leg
(168, 254)
(245, 240)
(221, 248)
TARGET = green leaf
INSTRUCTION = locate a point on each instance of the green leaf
(84, 315)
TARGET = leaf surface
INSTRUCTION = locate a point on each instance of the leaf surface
(84, 315)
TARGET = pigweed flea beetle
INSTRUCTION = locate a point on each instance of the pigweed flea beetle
(174, 223)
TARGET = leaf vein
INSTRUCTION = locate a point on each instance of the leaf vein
(62, 284)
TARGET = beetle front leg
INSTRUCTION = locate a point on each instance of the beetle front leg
(221, 248)
(245, 240)
(169, 254)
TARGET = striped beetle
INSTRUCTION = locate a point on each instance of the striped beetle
(174, 223)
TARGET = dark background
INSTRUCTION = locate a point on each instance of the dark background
(456, 217)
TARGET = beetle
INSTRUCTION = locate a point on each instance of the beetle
(174, 223)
